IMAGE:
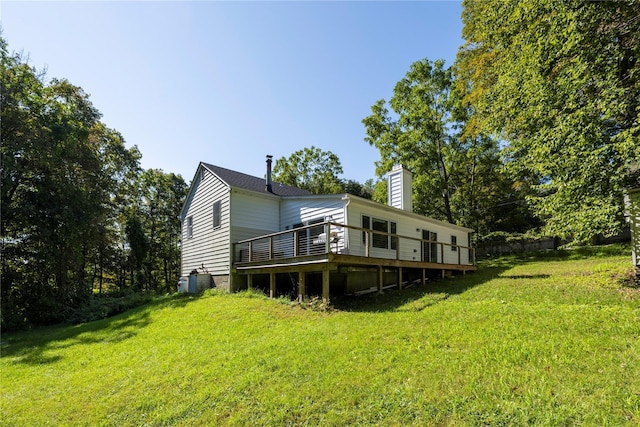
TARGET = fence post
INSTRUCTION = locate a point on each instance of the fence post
(366, 242)
(327, 234)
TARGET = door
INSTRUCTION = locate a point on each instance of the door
(429, 249)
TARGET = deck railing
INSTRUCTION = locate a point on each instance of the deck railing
(312, 240)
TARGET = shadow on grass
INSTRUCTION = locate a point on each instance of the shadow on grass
(433, 292)
(39, 346)
(575, 253)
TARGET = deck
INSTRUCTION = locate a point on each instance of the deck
(307, 249)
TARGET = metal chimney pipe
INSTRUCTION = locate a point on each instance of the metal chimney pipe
(269, 187)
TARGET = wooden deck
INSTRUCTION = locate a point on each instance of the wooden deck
(305, 250)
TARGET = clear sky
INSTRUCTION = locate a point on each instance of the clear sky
(230, 82)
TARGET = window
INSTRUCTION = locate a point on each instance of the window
(394, 239)
(429, 246)
(217, 213)
(380, 240)
(189, 227)
(366, 224)
(454, 243)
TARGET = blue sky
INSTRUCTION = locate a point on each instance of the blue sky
(230, 82)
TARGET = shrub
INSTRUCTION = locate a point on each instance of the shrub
(101, 306)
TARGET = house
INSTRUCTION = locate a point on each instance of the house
(240, 231)
(633, 214)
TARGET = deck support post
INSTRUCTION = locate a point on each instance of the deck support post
(301, 286)
(424, 276)
(399, 278)
(325, 285)
(443, 273)
(249, 281)
(380, 278)
(272, 285)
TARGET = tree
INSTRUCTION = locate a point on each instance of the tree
(419, 137)
(162, 197)
(53, 192)
(60, 169)
(138, 250)
(310, 169)
(559, 83)
(361, 190)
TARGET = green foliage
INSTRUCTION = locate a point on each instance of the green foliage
(538, 339)
(419, 137)
(55, 192)
(163, 195)
(102, 306)
(310, 169)
(457, 176)
(69, 188)
(361, 190)
(560, 83)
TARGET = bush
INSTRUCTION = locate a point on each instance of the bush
(101, 306)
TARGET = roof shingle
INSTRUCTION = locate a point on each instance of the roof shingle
(252, 183)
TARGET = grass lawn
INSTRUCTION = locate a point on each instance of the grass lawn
(551, 339)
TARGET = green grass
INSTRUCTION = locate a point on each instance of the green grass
(551, 339)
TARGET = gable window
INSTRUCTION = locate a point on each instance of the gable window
(454, 243)
(189, 227)
(217, 213)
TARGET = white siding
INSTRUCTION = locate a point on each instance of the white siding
(253, 215)
(207, 246)
(409, 225)
(633, 210)
(399, 184)
(301, 210)
(315, 208)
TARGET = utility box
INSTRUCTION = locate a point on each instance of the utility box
(198, 282)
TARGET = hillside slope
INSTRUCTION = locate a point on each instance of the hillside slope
(551, 340)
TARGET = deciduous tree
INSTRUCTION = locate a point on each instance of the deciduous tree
(559, 83)
(311, 169)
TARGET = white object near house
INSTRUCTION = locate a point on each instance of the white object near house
(633, 212)
(236, 227)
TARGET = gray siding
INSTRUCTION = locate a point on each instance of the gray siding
(207, 246)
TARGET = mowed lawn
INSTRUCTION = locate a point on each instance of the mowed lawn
(552, 339)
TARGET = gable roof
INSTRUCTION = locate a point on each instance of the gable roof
(252, 183)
